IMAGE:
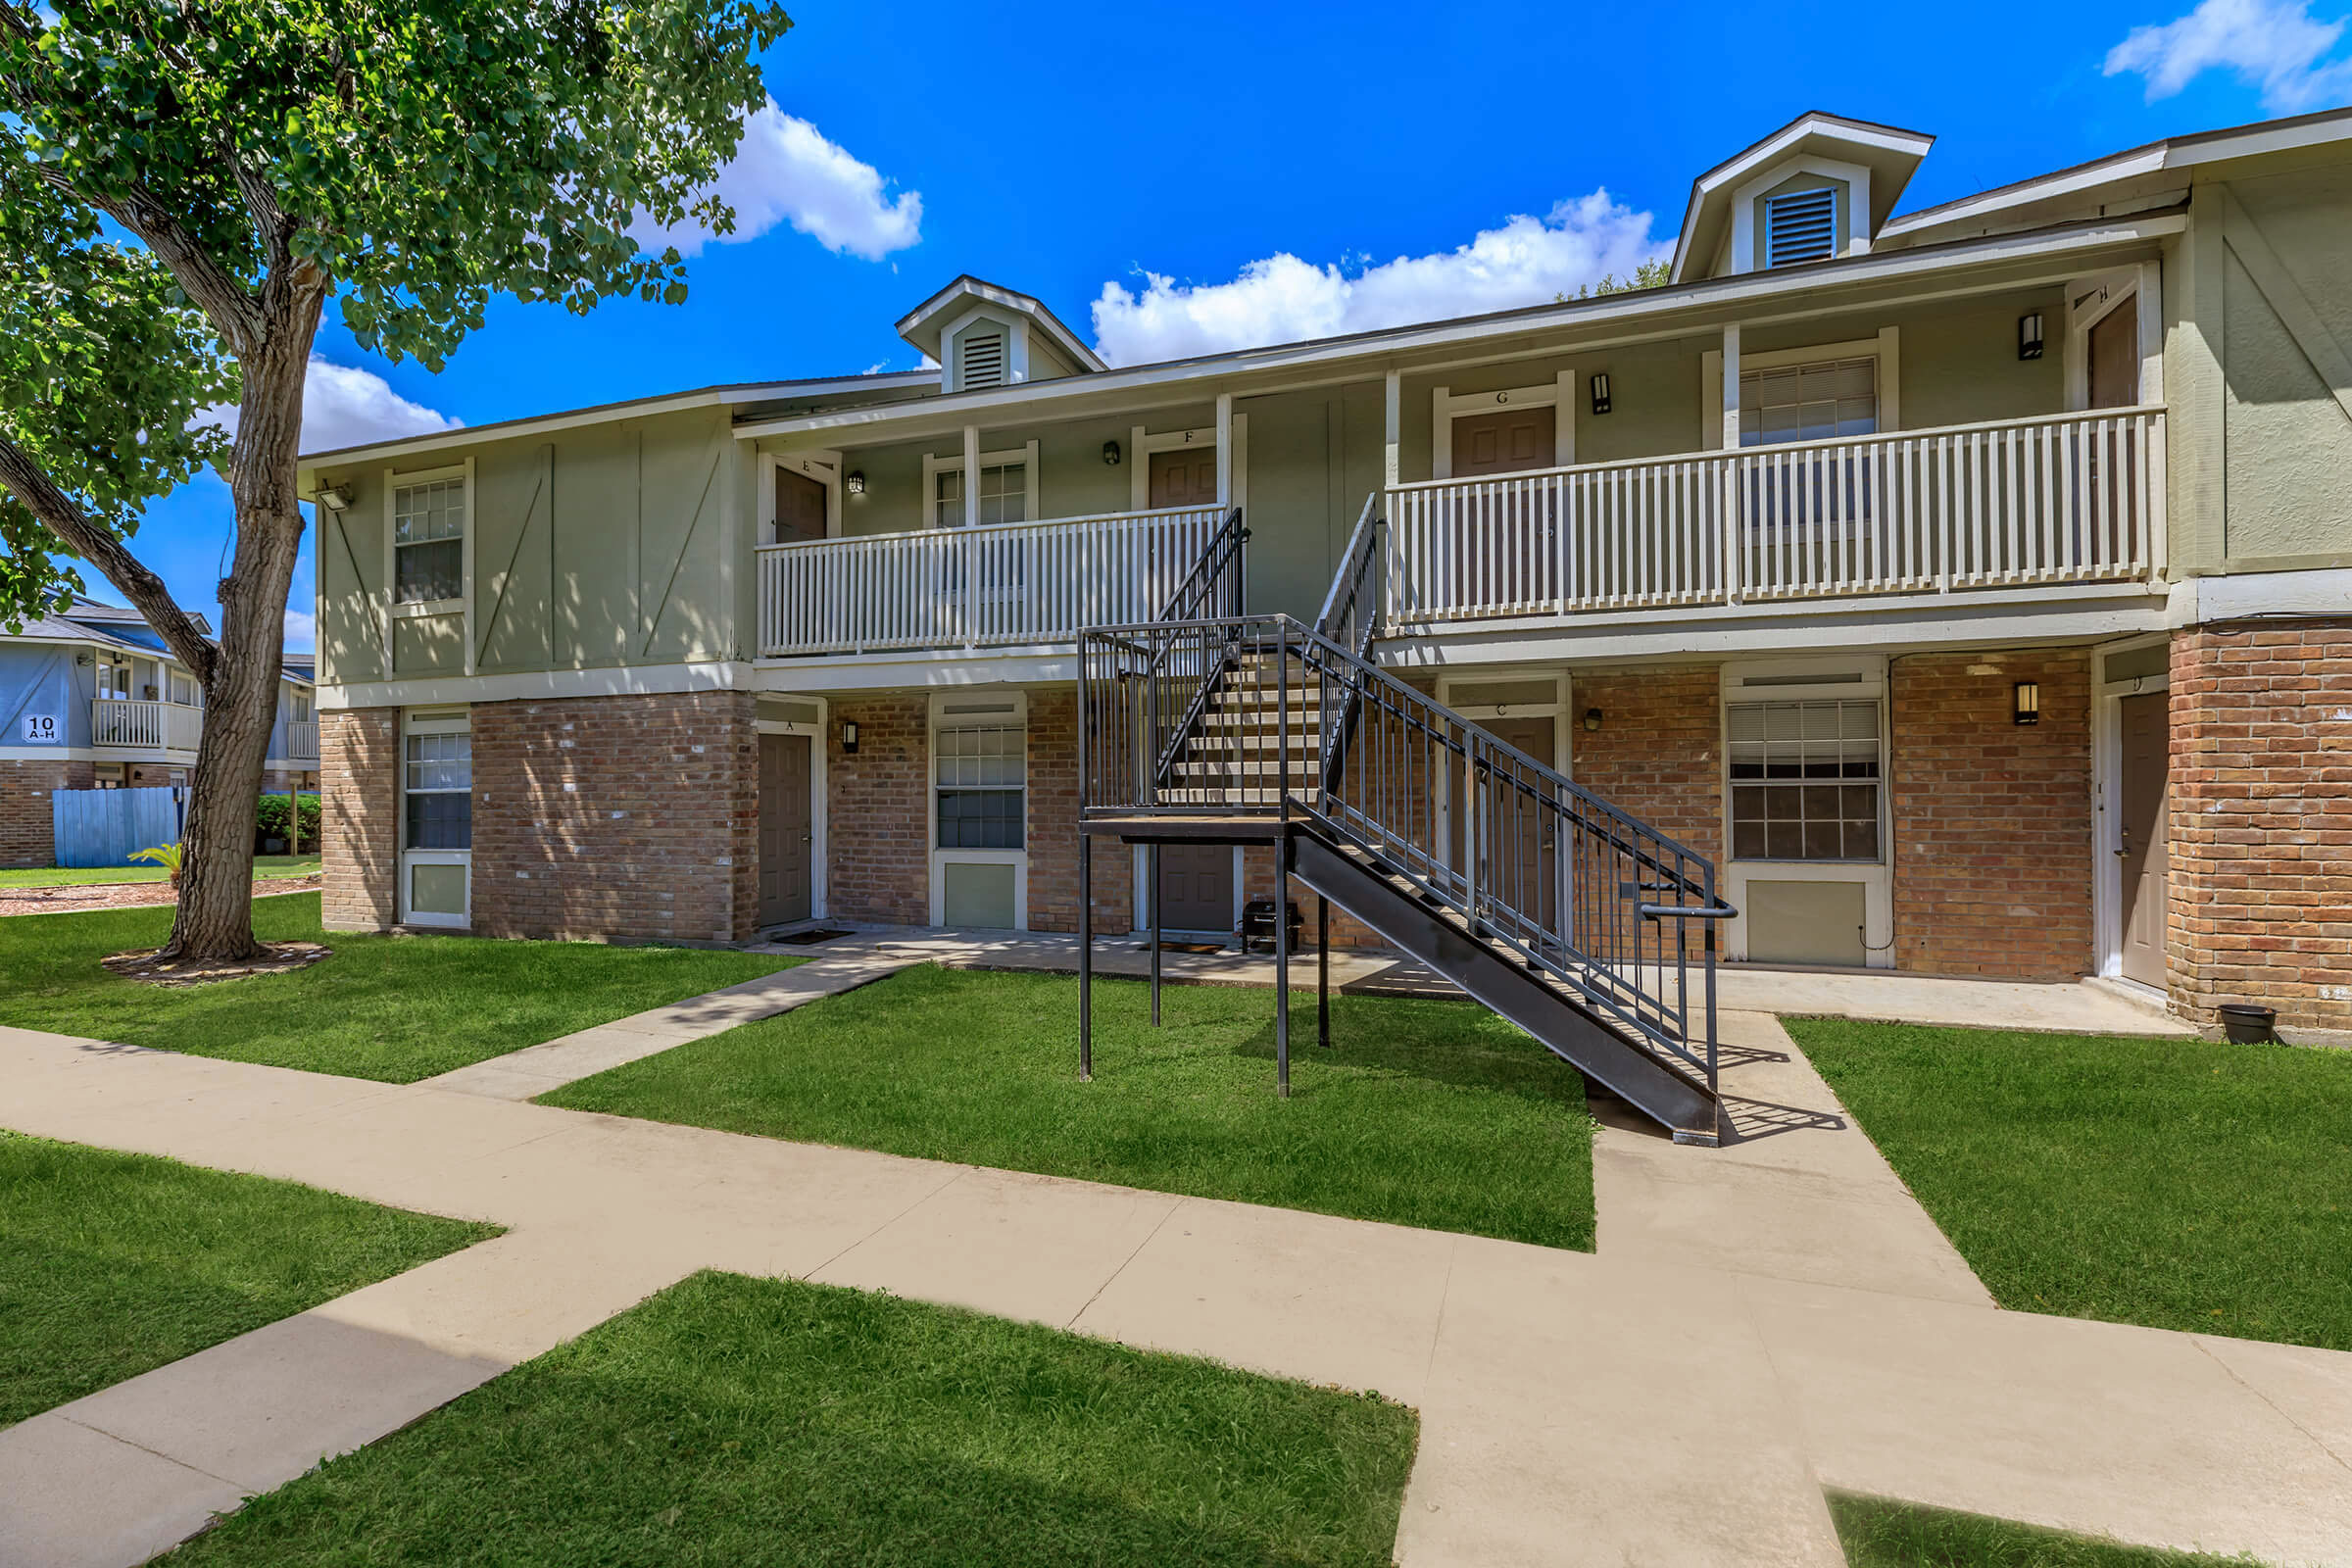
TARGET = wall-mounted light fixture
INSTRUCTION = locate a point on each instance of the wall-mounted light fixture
(2029, 703)
(849, 737)
(1592, 718)
(854, 482)
(1110, 453)
(335, 497)
(1601, 392)
(2028, 335)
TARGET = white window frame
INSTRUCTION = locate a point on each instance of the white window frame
(1831, 679)
(954, 710)
(462, 606)
(1886, 347)
(825, 466)
(1446, 406)
(432, 721)
(934, 466)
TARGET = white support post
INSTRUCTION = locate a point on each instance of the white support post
(1393, 403)
(1730, 386)
(972, 477)
(1224, 450)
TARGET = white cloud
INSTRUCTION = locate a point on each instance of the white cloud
(1281, 299)
(787, 172)
(343, 406)
(302, 630)
(2270, 45)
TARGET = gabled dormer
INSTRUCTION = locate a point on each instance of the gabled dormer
(984, 335)
(1818, 189)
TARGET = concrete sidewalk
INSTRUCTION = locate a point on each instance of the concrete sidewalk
(1679, 1398)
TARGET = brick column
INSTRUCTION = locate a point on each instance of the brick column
(358, 817)
(28, 820)
(1052, 828)
(1656, 753)
(877, 814)
(2260, 824)
(1992, 819)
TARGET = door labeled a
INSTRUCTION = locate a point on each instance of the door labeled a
(786, 836)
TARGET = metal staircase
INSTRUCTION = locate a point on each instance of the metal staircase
(1543, 902)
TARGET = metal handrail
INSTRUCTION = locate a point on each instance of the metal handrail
(1527, 860)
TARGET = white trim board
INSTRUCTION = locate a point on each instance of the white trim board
(1446, 406)
(625, 680)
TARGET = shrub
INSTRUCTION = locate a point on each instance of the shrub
(270, 818)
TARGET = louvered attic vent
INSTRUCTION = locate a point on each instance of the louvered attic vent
(1800, 226)
(980, 360)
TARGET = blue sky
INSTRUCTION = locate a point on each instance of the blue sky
(1253, 173)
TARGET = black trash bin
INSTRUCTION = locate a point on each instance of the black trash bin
(1257, 925)
(2246, 1024)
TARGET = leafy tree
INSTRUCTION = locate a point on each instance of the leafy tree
(186, 184)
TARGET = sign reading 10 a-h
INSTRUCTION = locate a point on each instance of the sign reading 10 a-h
(41, 729)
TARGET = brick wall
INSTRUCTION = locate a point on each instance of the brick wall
(1053, 827)
(359, 816)
(2261, 822)
(28, 825)
(1656, 753)
(1992, 819)
(877, 824)
(617, 816)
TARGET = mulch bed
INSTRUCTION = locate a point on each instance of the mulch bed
(123, 895)
(276, 959)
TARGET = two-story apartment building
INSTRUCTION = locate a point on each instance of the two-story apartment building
(92, 698)
(1973, 585)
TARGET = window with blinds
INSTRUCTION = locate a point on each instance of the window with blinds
(428, 542)
(1801, 226)
(982, 771)
(1805, 779)
(1809, 402)
(980, 360)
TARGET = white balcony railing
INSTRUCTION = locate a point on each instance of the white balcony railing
(145, 726)
(2067, 499)
(1004, 584)
(302, 740)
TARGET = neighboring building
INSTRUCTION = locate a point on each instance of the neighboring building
(1974, 586)
(93, 699)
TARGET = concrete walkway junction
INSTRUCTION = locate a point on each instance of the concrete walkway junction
(1759, 1322)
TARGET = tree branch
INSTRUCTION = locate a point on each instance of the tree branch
(225, 299)
(98, 544)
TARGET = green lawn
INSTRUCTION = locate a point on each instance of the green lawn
(113, 1264)
(2175, 1182)
(394, 1008)
(731, 1421)
(1431, 1113)
(61, 876)
(1881, 1534)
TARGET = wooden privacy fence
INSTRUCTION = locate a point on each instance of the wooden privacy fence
(105, 828)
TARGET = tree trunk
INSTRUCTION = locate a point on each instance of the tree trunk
(214, 923)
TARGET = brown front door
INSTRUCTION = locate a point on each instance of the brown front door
(2141, 795)
(1503, 442)
(1184, 477)
(784, 829)
(2115, 358)
(800, 506)
(1196, 887)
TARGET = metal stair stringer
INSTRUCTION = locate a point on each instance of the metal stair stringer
(1567, 1030)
